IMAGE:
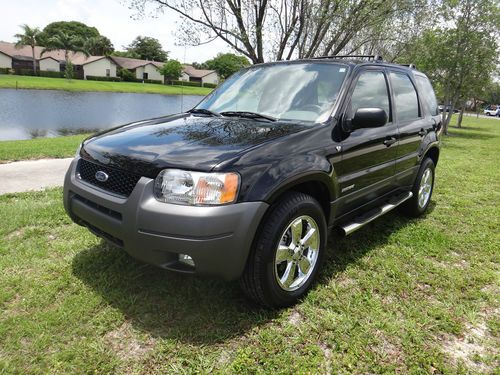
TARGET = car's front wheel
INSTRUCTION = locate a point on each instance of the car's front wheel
(287, 252)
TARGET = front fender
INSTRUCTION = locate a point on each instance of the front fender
(285, 174)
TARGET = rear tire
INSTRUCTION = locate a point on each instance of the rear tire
(422, 190)
(287, 252)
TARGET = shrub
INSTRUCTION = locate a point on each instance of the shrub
(51, 74)
(99, 78)
(4, 70)
(210, 85)
(156, 81)
(126, 75)
(185, 83)
(24, 72)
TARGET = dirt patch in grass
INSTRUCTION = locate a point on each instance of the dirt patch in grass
(475, 343)
(126, 343)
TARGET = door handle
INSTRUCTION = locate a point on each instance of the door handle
(389, 141)
(422, 132)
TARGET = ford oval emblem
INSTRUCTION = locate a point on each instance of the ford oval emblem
(101, 176)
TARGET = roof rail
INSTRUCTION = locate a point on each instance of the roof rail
(411, 66)
(375, 58)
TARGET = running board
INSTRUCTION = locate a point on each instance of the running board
(371, 215)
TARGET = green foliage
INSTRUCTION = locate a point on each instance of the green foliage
(129, 54)
(226, 64)
(24, 72)
(73, 29)
(185, 83)
(4, 70)
(51, 74)
(126, 75)
(153, 81)
(98, 46)
(147, 48)
(172, 70)
(210, 85)
(99, 78)
(68, 70)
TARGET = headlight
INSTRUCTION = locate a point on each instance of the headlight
(196, 188)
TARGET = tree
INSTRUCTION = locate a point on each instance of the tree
(461, 55)
(226, 64)
(67, 43)
(29, 37)
(172, 70)
(129, 54)
(126, 75)
(71, 28)
(280, 29)
(98, 45)
(147, 48)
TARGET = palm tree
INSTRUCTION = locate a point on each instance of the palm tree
(99, 45)
(66, 42)
(28, 38)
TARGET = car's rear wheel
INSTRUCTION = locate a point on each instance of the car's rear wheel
(422, 190)
(287, 252)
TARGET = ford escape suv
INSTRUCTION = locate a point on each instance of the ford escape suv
(247, 184)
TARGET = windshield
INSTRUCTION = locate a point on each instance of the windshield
(296, 91)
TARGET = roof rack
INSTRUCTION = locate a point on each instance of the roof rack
(411, 66)
(375, 58)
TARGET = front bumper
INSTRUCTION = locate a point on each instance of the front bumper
(218, 238)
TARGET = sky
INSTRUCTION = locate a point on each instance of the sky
(112, 18)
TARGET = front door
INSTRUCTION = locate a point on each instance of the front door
(367, 167)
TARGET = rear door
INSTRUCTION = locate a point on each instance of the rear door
(368, 154)
(412, 123)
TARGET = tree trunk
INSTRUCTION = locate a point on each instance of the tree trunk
(34, 60)
(460, 117)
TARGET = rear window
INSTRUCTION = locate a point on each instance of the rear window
(427, 95)
(405, 97)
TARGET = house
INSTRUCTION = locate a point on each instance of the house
(54, 61)
(190, 73)
(143, 69)
(5, 60)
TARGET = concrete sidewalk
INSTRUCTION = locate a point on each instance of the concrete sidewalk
(29, 175)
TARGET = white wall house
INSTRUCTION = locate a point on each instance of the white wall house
(212, 77)
(190, 73)
(101, 67)
(49, 64)
(5, 61)
(148, 71)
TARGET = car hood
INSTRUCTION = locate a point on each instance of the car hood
(183, 141)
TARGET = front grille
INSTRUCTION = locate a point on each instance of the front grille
(119, 182)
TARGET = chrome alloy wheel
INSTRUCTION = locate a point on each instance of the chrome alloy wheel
(297, 253)
(425, 189)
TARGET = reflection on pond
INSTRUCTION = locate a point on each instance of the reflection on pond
(28, 114)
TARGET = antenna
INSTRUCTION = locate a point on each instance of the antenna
(182, 86)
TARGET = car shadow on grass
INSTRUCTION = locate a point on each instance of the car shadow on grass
(201, 310)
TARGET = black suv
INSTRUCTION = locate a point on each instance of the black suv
(247, 184)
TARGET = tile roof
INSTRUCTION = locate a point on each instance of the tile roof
(196, 73)
(128, 63)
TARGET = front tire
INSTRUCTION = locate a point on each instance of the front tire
(422, 190)
(287, 252)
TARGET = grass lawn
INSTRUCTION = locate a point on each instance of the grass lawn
(44, 83)
(400, 295)
(57, 147)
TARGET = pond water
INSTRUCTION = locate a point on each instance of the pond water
(26, 114)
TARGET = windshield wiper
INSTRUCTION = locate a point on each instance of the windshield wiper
(204, 112)
(248, 115)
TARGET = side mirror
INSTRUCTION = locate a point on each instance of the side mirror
(368, 118)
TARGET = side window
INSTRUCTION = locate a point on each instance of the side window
(371, 91)
(427, 95)
(405, 97)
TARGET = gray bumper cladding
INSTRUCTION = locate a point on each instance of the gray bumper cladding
(218, 238)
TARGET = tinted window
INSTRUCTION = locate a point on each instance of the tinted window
(371, 92)
(427, 95)
(405, 97)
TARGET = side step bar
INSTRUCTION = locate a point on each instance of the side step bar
(361, 221)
